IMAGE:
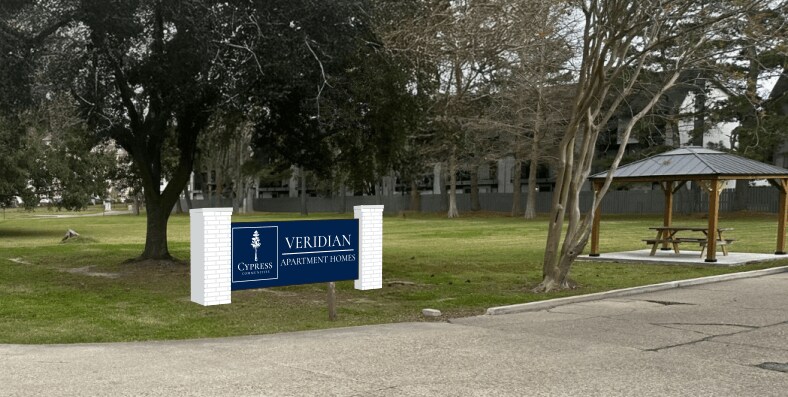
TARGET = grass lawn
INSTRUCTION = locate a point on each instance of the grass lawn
(81, 291)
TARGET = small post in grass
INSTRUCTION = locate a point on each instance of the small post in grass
(332, 301)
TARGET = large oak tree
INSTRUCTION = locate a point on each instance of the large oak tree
(142, 72)
(147, 72)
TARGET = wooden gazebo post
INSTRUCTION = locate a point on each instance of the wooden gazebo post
(714, 187)
(667, 188)
(596, 222)
(782, 211)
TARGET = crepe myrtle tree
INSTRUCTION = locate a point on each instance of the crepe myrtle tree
(622, 42)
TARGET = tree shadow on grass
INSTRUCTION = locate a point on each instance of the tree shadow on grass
(23, 233)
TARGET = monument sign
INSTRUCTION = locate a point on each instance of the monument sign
(272, 254)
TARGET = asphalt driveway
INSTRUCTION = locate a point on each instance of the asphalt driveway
(728, 338)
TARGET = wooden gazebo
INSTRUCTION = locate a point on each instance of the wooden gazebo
(710, 169)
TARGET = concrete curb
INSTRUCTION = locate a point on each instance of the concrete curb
(549, 304)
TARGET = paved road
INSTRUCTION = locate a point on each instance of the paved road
(704, 340)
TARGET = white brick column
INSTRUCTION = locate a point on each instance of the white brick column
(211, 254)
(370, 246)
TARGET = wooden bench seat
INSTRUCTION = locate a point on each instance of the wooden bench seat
(654, 243)
(666, 235)
(676, 241)
(691, 240)
(720, 243)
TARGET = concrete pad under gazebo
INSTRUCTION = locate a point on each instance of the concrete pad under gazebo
(710, 169)
(684, 258)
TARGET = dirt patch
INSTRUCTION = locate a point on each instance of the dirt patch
(274, 292)
(362, 301)
(134, 268)
(78, 240)
(149, 263)
(87, 272)
(19, 261)
(142, 270)
(393, 283)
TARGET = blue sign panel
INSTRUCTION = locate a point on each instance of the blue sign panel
(271, 254)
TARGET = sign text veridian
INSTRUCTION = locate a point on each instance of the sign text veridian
(270, 254)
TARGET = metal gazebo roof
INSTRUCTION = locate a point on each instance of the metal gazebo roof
(694, 163)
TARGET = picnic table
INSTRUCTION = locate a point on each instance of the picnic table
(667, 235)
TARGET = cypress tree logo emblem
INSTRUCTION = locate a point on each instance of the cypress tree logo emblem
(255, 243)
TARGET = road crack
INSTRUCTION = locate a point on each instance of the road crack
(709, 338)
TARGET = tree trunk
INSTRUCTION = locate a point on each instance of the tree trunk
(670, 134)
(178, 207)
(415, 197)
(476, 204)
(219, 189)
(453, 213)
(740, 195)
(292, 185)
(443, 191)
(342, 198)
(530, 203)
(556, 278)
(392, 193)
(241, 186)
(249, 202)
(209, 189)
(517, 188)
(552, 275)
(136, 204)
(156, 236)
(530, 199)
(699, 129)
(302, 173)
(188, 197)
(238, 197)
(697, 194)
(159, 206)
